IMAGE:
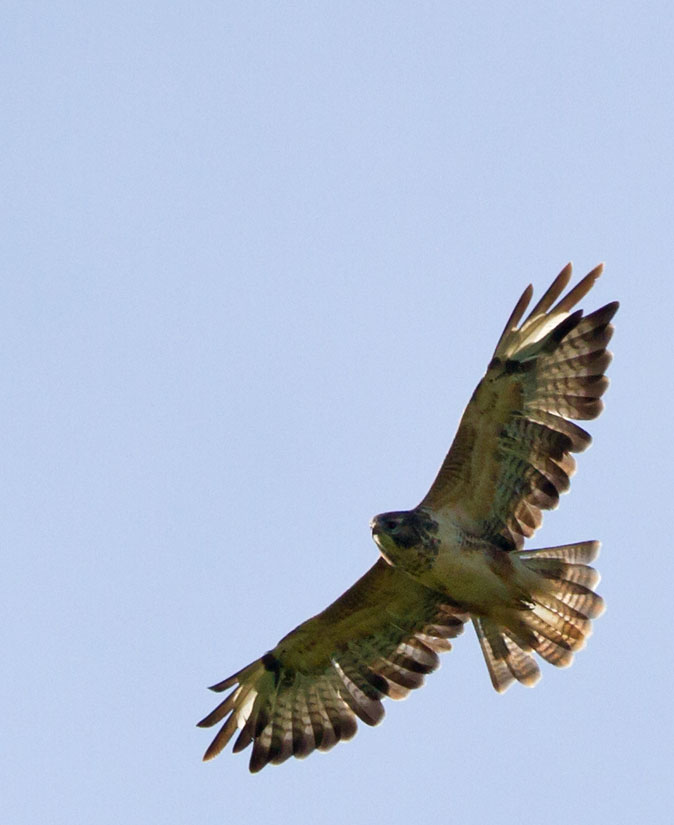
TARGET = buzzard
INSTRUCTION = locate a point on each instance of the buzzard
(457, 556)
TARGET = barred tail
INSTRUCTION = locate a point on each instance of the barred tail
(557, 622)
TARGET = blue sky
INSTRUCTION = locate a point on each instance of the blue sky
(256, 256)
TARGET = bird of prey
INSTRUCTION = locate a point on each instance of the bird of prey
(457, 556)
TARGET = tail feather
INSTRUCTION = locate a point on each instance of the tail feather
(570, 614)
(581, 553)
(506, 660)
(521, 664)
(552, 652)
(555, 624)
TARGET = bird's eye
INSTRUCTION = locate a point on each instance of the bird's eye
(391, 524)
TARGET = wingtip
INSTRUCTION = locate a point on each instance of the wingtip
(516, 315)
(230, 681)
(580, 290)
(567, 271)
(593, 275)
(212, 750)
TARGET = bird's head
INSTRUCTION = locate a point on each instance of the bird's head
(403, 535)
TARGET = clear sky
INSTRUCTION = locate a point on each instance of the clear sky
(255, 258)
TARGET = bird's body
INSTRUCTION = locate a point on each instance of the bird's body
(458, 555)
(474, 574)
(467, 569)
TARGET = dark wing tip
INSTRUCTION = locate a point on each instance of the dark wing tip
(226, 683)
(611, 308)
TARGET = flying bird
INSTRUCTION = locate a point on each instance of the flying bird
(457, 556)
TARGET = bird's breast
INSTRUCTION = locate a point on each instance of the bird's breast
(475, 574)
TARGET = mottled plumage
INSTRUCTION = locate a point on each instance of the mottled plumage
(458, 555)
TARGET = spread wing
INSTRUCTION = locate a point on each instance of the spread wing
(378, 639)
(511, 457)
